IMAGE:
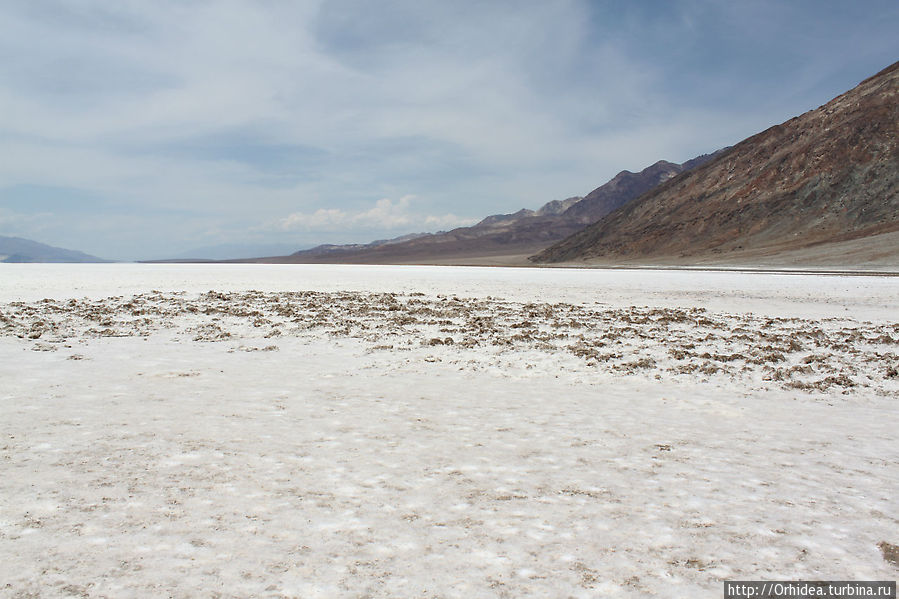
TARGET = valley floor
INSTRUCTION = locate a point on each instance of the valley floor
(326, 431)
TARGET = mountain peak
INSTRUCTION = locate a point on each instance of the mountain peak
(626, 186)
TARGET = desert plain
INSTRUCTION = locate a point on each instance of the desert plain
(414, 431)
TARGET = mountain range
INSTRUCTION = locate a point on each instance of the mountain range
(501, 238)
(821, 188)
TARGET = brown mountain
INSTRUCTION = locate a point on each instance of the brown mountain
(622, 188)
(502, 238)
(821, 188)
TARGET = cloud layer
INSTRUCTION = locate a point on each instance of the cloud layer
(132, 129)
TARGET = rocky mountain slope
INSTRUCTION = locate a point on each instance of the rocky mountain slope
(502, 235)
(16, 249)
(829, 176)
(621, 189)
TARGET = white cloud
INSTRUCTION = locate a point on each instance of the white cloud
(386, 214)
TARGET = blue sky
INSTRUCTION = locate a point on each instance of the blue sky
(135, 129)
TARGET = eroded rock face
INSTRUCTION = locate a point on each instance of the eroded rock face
(831, 174)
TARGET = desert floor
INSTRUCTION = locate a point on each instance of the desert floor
(337, 431)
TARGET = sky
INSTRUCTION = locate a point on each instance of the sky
(136, 130)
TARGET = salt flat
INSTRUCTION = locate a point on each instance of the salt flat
(304, 431)
(803, 295)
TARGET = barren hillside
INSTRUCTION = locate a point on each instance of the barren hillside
(828, 176)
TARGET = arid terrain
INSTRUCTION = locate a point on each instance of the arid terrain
(320, 431)
(829, 176)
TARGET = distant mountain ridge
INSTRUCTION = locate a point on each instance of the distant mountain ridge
(828, 176)
(523, 232)
(19, 250)
(224, 251)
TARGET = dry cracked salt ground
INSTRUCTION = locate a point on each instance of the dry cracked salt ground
(352, 442)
